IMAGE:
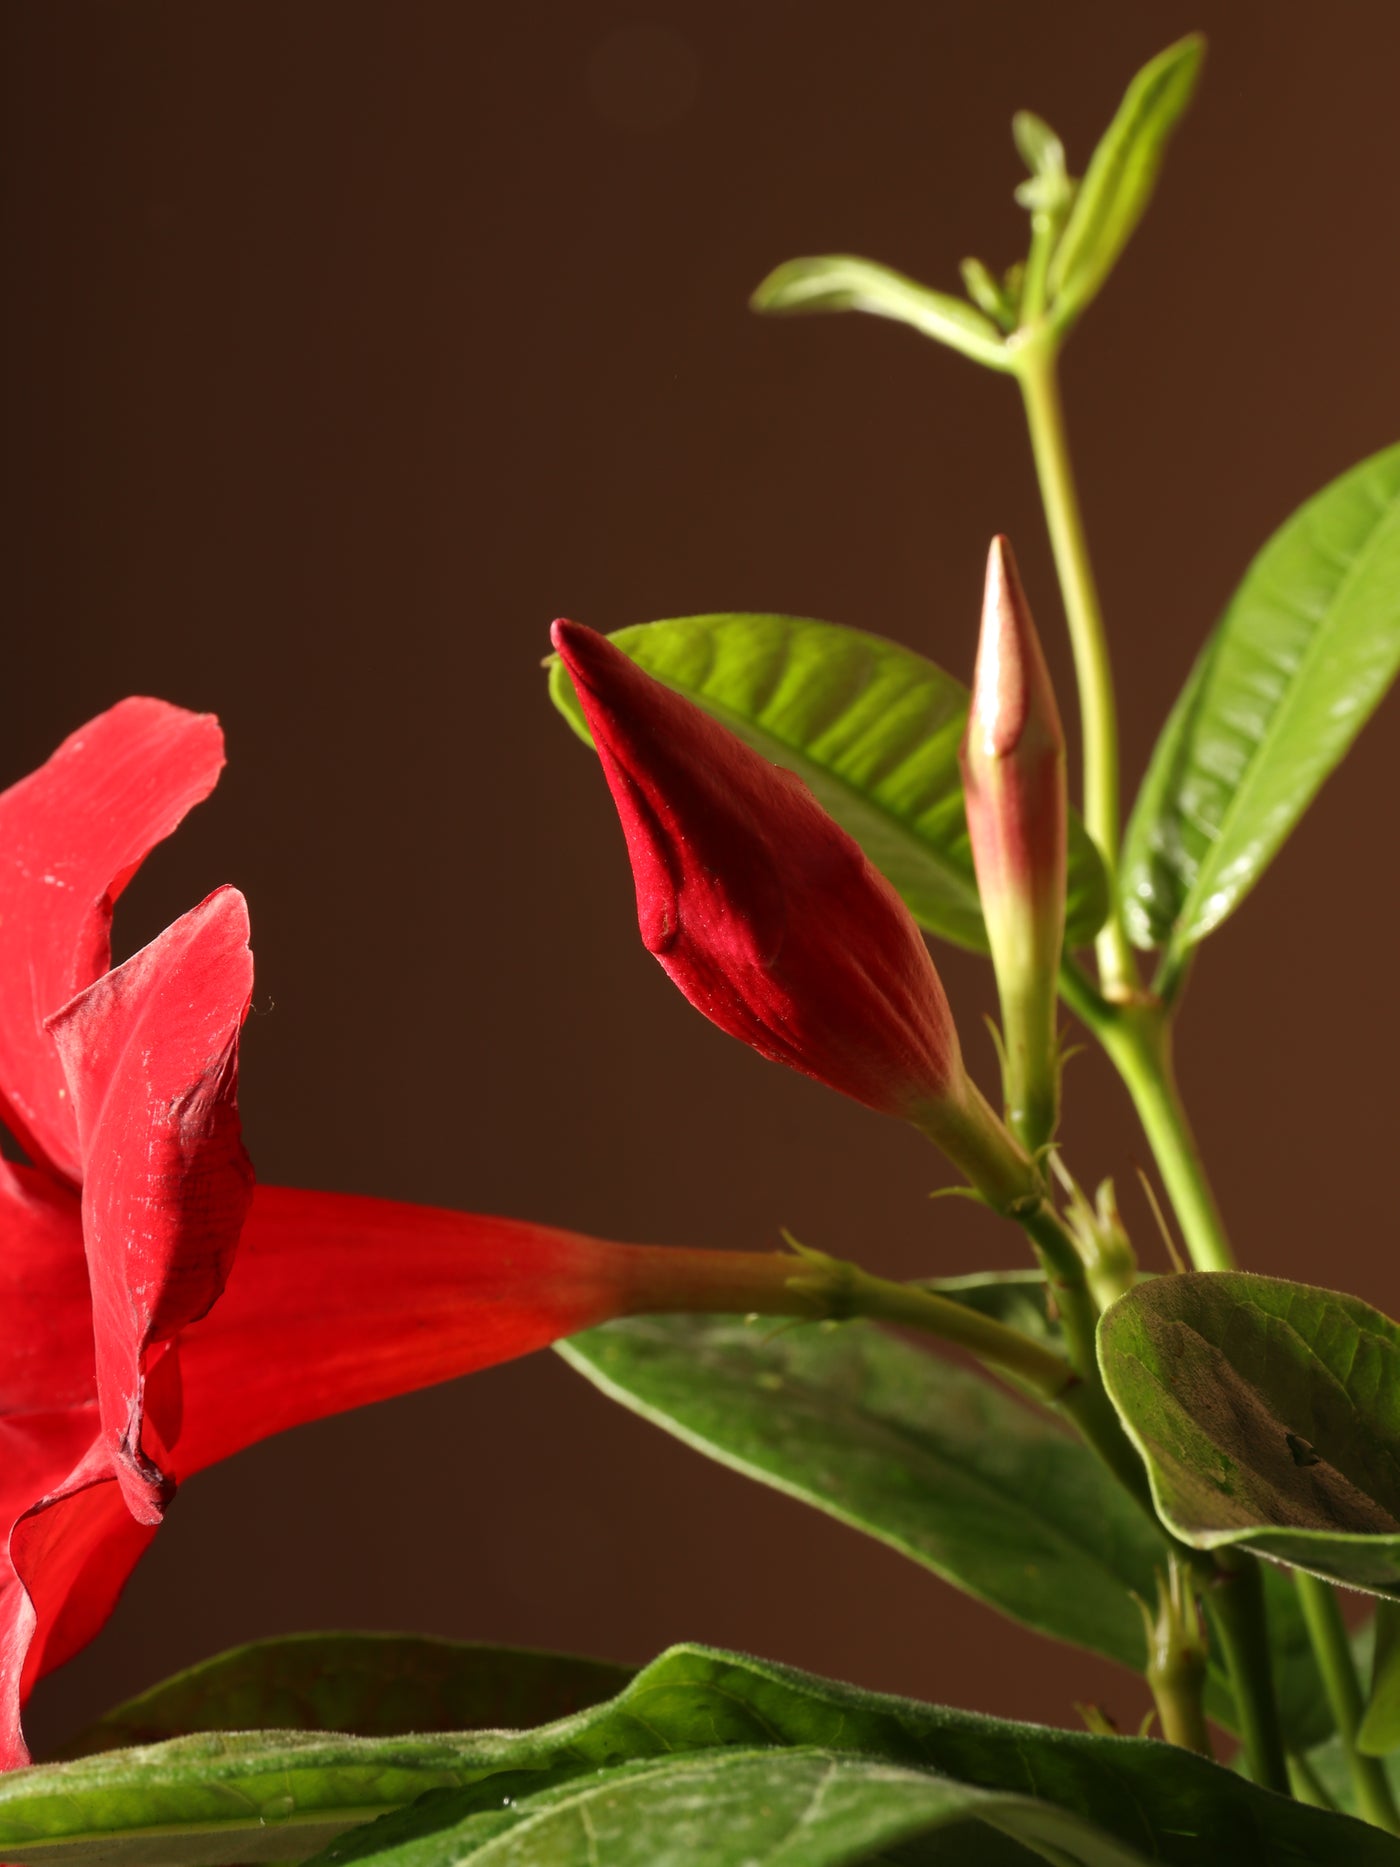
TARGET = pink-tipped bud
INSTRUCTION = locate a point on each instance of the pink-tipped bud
(1013, 764)
(770, 919)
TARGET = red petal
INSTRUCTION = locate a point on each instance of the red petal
(764, 912)
(150, 1054)
(335, 1301)
(68, 1558)
(46, 1358)
(71, 837)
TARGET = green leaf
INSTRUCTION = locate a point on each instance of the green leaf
(1269, 1415)
(731, 1808)
(203, 1801)
(370, 1684)
(1302, 656)
(934, 1461)
(841, 282)
(1380, 1728)
(1121, 175)
(927, 1456)
(871, 727)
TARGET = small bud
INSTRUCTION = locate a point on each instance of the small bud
(1177, 1658)
(1110, 1263)
(1013, 764)
(772, 921)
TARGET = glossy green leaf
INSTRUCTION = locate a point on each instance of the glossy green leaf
(373, 1685)
(934, 1460)
(732, 1808)
(841, 282)
(1269, 1415)
(871, 727)
(267, 1796)
(1303, 654)
(1379, 1735)
(1121, 175)
(929, 1457)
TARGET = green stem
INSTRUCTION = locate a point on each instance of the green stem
(1176, 1658)
(1236, 1606)
(1137, 1039)
(809, 1285)
(1328, 1634)
(1036, 370)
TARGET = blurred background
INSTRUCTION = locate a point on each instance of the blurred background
(345, 345)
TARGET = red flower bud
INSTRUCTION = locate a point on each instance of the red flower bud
(1013, 763)
(764, 912)
(771, 920)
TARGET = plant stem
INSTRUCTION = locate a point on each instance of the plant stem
(1176, 1658)
(813, 1287)
(1328, 1634)
(1036, 370)
(1137, 1038)
(1236, 1606)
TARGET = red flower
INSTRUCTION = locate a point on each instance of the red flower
(125, 1363)
(764, 912)
(771, 920)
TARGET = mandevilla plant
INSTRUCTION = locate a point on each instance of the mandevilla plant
(1187, 1466)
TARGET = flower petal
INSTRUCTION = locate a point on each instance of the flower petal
(45, 1311)
(67, 1558)
(150, 1057)
(71, 837)
(337, 1300)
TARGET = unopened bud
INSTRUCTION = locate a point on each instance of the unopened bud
(770, 918)
(1013, 765)
(1177, 1658)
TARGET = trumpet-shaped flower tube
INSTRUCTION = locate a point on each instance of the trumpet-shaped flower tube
(156, 1314)
(770, 918)
(1013, 764)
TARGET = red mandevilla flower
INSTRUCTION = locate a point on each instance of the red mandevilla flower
(152, 1319)
(770, 918)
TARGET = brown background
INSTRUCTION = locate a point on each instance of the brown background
(345, 345)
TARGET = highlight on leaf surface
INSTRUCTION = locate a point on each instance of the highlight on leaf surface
(1305, 651)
